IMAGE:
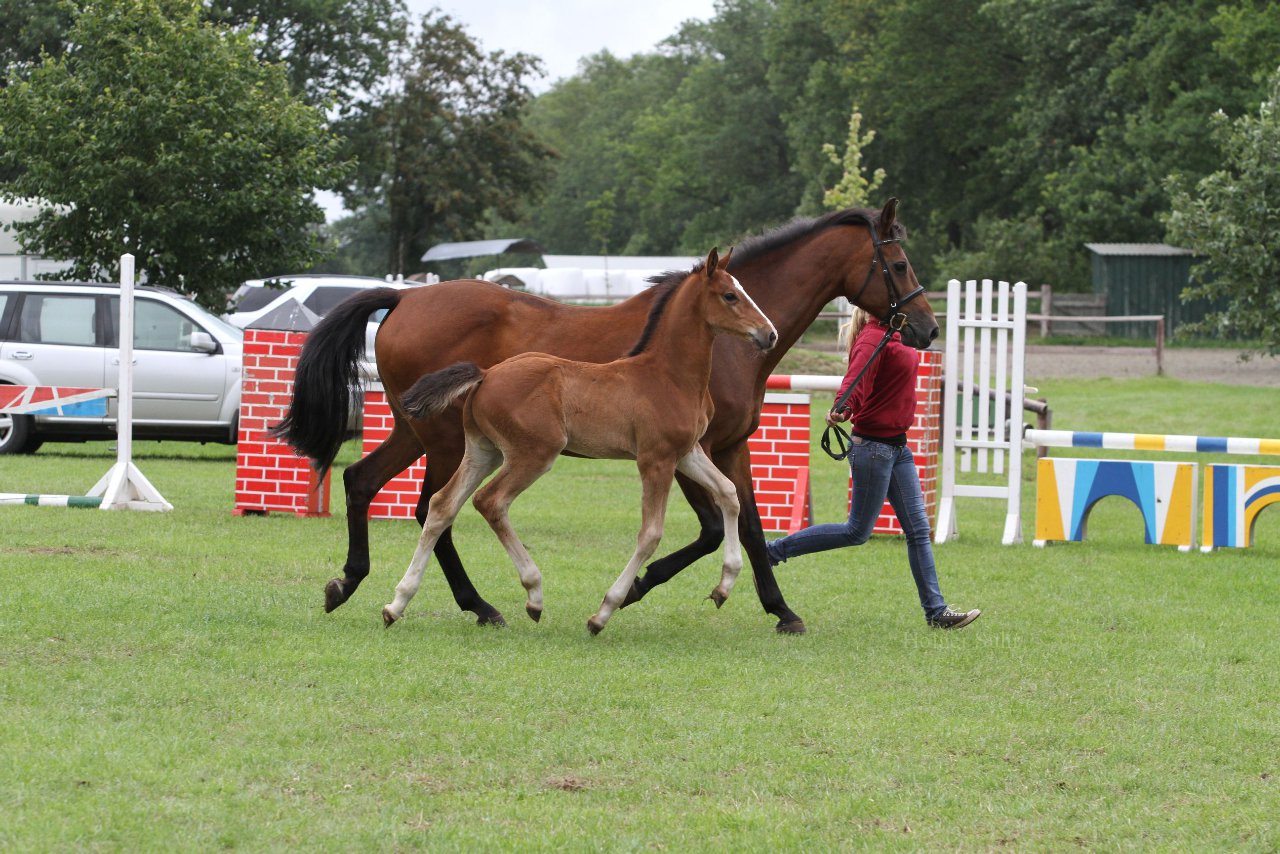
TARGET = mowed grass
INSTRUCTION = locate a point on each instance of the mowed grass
(170, 681)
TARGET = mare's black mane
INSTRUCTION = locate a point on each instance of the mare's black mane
(754, 247)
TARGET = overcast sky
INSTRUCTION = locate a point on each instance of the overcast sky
(563, 31)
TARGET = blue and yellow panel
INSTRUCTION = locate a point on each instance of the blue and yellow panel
(1234, 495)
(1067, 489)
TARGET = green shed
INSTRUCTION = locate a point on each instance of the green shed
(1144, 278)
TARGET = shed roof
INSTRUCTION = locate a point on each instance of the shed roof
(473, 248)
(1159, 249)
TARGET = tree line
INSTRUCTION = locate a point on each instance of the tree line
(1013, 131)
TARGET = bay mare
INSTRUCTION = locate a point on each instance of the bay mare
(651, 406)
(791, 272)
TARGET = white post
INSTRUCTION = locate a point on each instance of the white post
(124, 487)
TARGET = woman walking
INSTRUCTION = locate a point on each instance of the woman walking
(882, 408)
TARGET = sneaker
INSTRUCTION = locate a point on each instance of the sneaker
(950, 619)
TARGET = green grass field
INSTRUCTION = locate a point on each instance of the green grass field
(170, 681)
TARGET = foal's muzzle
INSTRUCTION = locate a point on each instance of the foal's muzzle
(765, 338)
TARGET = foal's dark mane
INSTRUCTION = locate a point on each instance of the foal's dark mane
(664, 285)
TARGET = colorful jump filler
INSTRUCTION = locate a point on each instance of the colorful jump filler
(1234, 495)
(1068, 489)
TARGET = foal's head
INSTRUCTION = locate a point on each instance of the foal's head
(726, 306)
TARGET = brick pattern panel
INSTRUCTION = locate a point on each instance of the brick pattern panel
(925, 440)
(779, 452)
(269, 475)
(399, 498)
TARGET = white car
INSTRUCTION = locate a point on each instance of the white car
(187, 362)
(320, 293)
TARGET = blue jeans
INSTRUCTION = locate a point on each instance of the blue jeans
(879, 471)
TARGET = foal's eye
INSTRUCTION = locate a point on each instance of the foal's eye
(730, 296)
(900, 267)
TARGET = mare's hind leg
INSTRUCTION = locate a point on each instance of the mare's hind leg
(477, 463)
(522, 468)
(657, 485)
(362, 480)
(442, 461)
(699, 467)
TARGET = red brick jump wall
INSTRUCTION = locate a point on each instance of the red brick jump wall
(399, 498)
(269, 475)
(780, 462)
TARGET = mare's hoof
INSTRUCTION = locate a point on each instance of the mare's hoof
(594, 627)
(492, 619)
(334, 595)
(388, 617)
(535, 614)
(790, 627)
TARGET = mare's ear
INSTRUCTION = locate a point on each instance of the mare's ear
(713, 260)
(724, 262)
(888, 214)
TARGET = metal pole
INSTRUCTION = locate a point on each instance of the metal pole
(124, 400)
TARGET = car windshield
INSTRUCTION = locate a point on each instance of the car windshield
(257, 296)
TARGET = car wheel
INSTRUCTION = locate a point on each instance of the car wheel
(15, 434)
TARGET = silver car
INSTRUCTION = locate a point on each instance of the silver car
(186, 372)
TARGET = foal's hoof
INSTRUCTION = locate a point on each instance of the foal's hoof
(790, 627)
(334, 595)
(718, 597)
(535, 614)
(491, 619)
(388, 617)
(594, 627)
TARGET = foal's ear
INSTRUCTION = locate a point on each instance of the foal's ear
(713, 261)
(888, 214)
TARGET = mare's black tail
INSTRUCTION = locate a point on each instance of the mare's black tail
(327, 370)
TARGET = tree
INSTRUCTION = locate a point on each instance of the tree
(854, 189)
(1232, 219)
(162, 135)
(32, 26)
(332, 50)
(444, 145)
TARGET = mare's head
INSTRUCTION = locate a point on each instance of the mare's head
(726, 306)
(885, 285)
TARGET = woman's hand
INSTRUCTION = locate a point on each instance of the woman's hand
(834, 418)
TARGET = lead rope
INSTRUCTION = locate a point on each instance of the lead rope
(842, 440)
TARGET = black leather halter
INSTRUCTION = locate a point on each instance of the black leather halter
(891, 287)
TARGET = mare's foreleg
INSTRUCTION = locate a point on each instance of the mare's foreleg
(657, 485)
(523, 467)
(699, 467)
(477, 463)
(736, 463)
(362, 480)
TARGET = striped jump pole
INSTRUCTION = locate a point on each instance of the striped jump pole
(1153, 442)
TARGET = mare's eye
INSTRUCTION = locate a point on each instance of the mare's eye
(730, 297)
(900, 267)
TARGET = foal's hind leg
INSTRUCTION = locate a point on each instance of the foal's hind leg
(657, 485)
(698, 466)
(477, 463)
(524, 465)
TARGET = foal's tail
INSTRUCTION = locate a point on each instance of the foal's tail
(329, 366)
(433, 392)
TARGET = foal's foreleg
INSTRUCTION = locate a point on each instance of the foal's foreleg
(494, 500)
(657, 485)
(476, 465)
(698, 466)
